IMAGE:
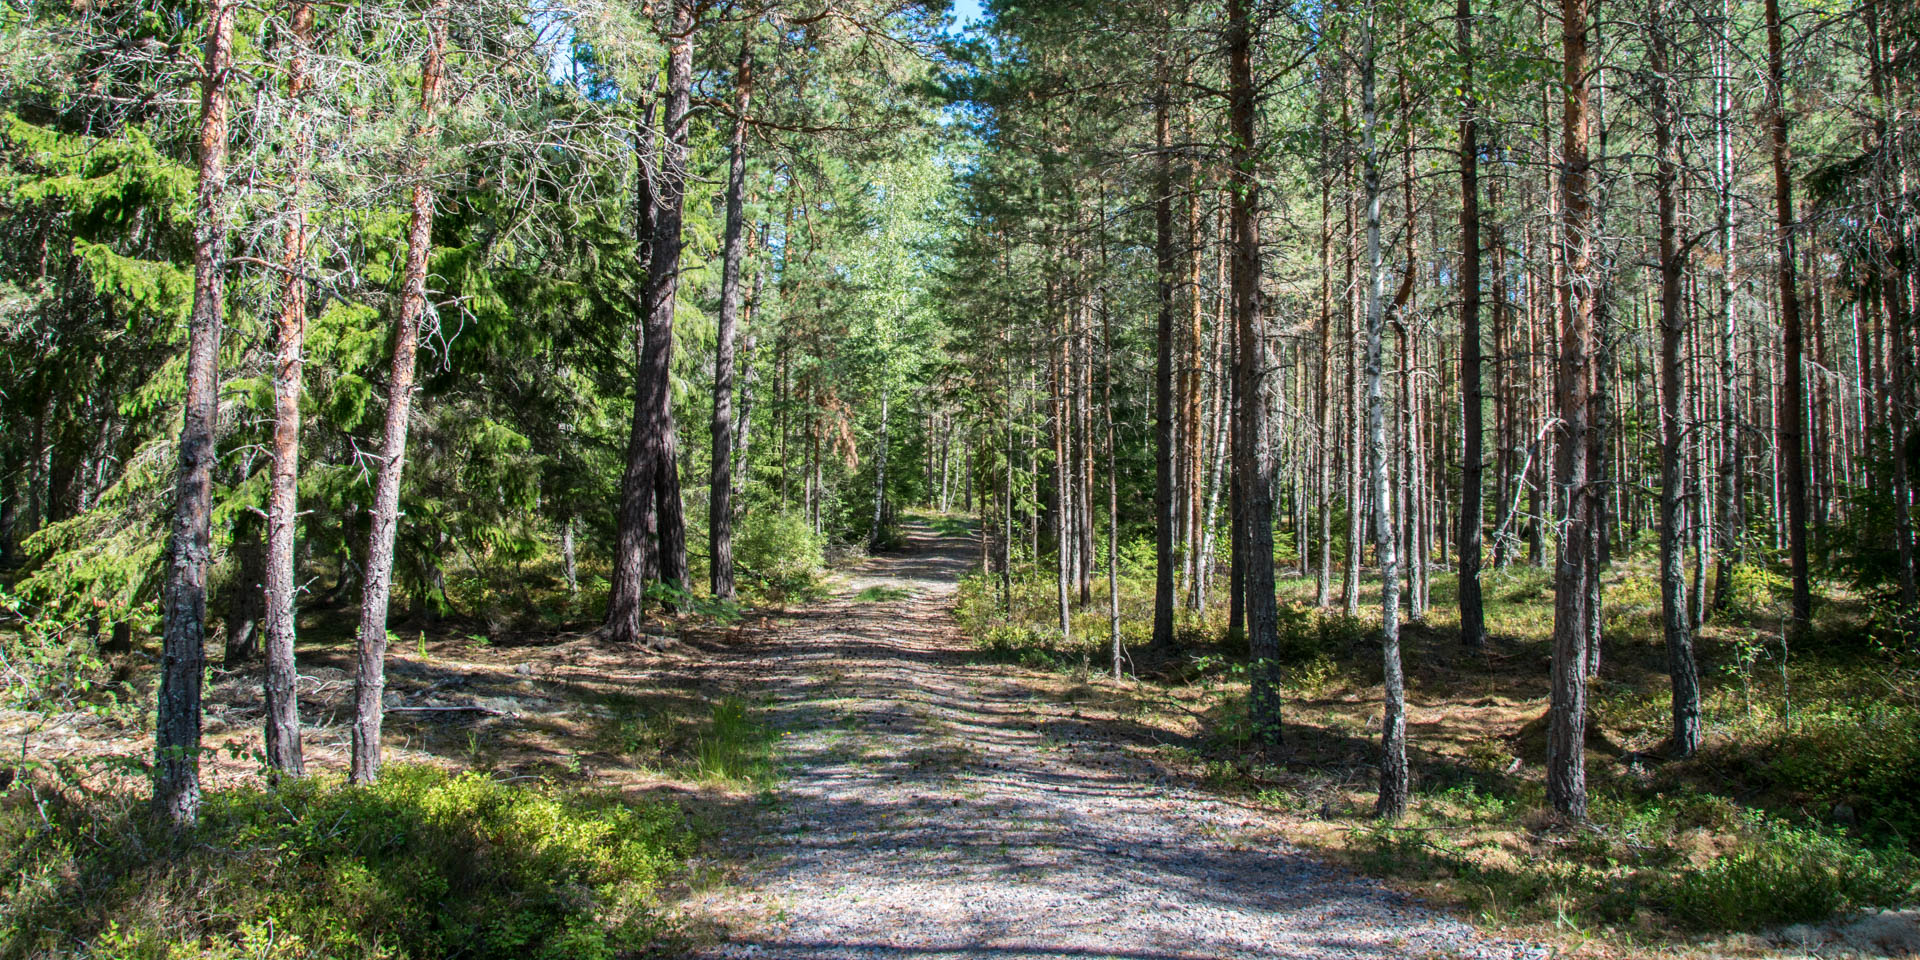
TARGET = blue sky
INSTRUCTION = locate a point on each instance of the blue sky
(966, 11)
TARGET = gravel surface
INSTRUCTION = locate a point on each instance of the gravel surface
(936, 808)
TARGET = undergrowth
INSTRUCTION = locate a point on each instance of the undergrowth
(422, 864)
(1820, 745)
(731, 746)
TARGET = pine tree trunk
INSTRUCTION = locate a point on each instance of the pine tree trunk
(1323, 397)
(877, 535)
(1674, 324)
(1113, 487)
(284, 757)
(1163, 598)
(1473, 625)
(749, 384)
(1064, 538)
(650, 487)
(1187, 467)
(1732, 447)
(1567, 711)
(720, 485)
(1893, 267)
(1083, 438)
(568, 566)
(176, 789)
(1254, 452)
(1791, 409)
(1392, 802)
(633, 538)
(370, 663)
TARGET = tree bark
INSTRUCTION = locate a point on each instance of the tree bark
(649, 497)
(176, 789)
(720, 486)
(1254, 452)
(877, 535)
(1323, 397)
(749, 382)
(1163, 595)
(1674, 327)
(370, 663)
(1567, 711)
(284, 756)
(1791, 410)
(1473, 625)
(1729, 510)
(1119, 651)
(1392, 802)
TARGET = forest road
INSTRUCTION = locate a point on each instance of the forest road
(935, 807)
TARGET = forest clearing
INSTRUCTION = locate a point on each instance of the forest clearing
(1165, 480)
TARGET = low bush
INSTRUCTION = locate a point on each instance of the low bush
(778, 553)
(422, 864)
(1786, 874)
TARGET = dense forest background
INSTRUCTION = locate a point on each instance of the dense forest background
(1255, 337)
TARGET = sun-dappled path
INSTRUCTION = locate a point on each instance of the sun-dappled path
(937, 807)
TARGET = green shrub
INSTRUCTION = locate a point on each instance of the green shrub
(1754, 592)
(1787, 874)
(1308, 634)
(53, 662)
(422, 864)
(778, 552)
(1864, 754)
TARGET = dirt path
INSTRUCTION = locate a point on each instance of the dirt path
(938, 808)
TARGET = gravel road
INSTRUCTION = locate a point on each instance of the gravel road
(941, 809)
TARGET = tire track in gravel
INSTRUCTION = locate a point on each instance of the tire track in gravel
(938, 809)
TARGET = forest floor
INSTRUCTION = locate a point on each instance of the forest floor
(934, 805)
(862, 781)
(866, 780)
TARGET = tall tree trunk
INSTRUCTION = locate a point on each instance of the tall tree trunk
(1894, 270)
(1217, 458)
(649, 497)
(1187, 467)
(1356, 495)
(720, 486)
(1163, 598)
(1006, 506)
(1064, 537)
(1567, 712)
(1323, 397)
(1255, 452)
(370, 663)
(1392, 803)
(749, 382)
(877, 535)
(1119, 651)
(284, 757)
(1791, 409)
(1473, 623)
(1729, 511)
(568, 566)
(176, 788)
(1674, 324)
(1084, 443)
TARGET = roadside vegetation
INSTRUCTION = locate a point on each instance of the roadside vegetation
(552, 795)
(1803, 804)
